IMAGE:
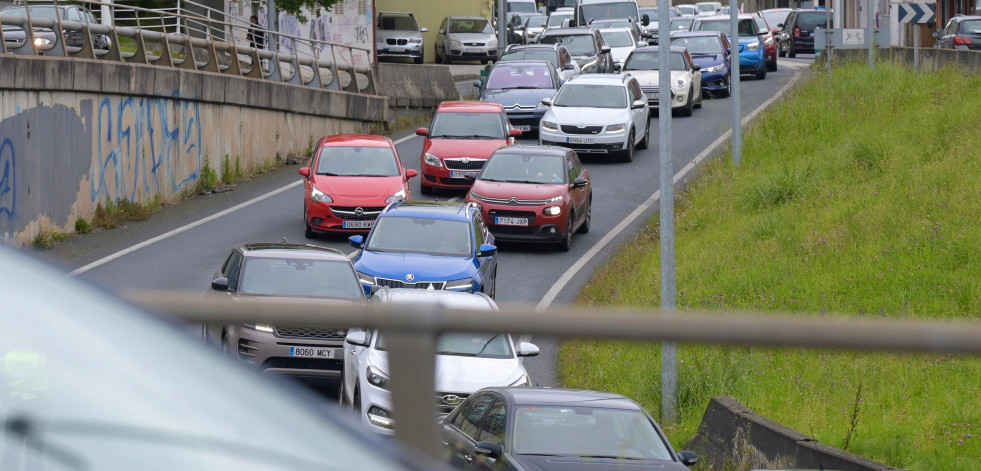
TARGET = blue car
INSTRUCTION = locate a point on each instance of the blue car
(710, 50)
(428, 245)
(752, 54)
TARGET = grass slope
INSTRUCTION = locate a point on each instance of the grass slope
(858, 197)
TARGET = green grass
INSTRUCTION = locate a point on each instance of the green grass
(855, 198)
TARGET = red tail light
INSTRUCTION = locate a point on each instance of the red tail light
(962, 41)
(796, 32)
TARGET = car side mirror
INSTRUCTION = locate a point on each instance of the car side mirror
(775, 31)
(639, 104)
(359, 338)
(486, 250)
(645, 20)
(356, 241)
(547, 101)
(617, 68)
(569, 66)
(567, 22)
(423, 30)
(696, 67)
(936, 34)
(488, 448)
(422, 132)
(411, 173)
(305, 171)
(476, 83)
(579, 182)
(780, 25)
(527, 349)
(219, 284)
(605, 50)
(515, 132)
(688, 458)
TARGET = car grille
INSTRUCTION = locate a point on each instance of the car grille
(246, 350)
(524, 120)
(568, 129)
(351, 212)
(456, 181)
(446, 402)
(417, 285)
(473, 44)
(397, 42)
(458, 164)
(512, 200)
(310, 333)
(518, 106)
(515, 230)
(649, 91)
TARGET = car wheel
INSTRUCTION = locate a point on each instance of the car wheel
(628, 153)
(762, 74)
(698, 104)
(566, 243)
(772, 66)
(419, 60)
(781, 52)
(728, 91)
(686, 111)
(584, 228)
(307, 230)
(647, 134)
(426, 190)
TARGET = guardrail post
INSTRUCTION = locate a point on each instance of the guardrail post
(315, 81)
(165, 57)
(256, 70)
(140, 54)
(188, 62)
(295, 78)
(353, 86)
(3, 42)
(412, 355)
(335, 79)
(88, 50)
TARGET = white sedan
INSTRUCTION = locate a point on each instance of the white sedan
(686, 77)
(622, 42)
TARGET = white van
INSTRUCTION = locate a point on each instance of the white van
(587, 10)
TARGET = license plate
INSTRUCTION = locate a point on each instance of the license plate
(473, 49)
(463, 174)
(312, 352)
(523, 128)
(396, 49)
(358, 224)
(500, 221)
(579, 140)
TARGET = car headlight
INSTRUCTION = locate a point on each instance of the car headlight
(318, 196)
(366, 278)
(380, 417)
(463, 284)
(680, 84)
(552, 210)
(398, 196)
(753, 46)
(713, 70)
(524, 380)
(455, 43)
(768, 41)
(260, 327)
(416, 40)
(476, 196)
(376, 378)
(41, 42)
(555, 199)
(616, 128)
(550, 126)
(431, 159)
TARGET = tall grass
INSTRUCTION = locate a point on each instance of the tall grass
(858, 197)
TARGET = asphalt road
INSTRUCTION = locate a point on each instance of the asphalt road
(187, 250)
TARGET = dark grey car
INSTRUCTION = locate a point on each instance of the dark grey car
(961, 32)
(519, 87)
(586, 46)
(73, 38)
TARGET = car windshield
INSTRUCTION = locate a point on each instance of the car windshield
(706, 7)
(971, 27)
(300, 277)
(478, 25)
(36, 12)
(421, 235)
(507, 76)
(592, 96)
(466, 345)
(451, 125)
(687, 9)
(650, 61)
(609, 11)
(576, 44)
(775, 18)
(397, 23)
(761, 25)
(532, 54)
(618, 38)
(556, 19)
(522, 7)
(746, 27)
(681, 24)
(812, 19)
(535, 22)
(358, 162)
(524, 168)
(117, 389)
(585, 431)
(699, 45)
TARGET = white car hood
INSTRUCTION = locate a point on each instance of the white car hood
(464, 375)
(650, 78)
(576, 115)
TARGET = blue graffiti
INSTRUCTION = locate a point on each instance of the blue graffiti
(8, 194)
(140, 147)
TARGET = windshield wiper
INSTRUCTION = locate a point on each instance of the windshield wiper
(611, 457)
(488, 342)
(524, 181)
(521, 87)
(459, 354)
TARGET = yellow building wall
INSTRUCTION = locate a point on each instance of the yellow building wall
(430, 14)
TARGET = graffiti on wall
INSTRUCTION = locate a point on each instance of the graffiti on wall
(8, 181)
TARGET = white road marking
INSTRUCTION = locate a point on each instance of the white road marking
(563, 280)
(454, 199)
(185, 228)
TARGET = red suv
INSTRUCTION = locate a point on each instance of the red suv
(461, 138)
(534, 193)
(350, 180)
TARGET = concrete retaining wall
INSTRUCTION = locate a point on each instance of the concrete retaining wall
(734, 437)
(75, 132)
(414, 90)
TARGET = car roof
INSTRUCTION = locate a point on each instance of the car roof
(429, 209)
(524, 62)
(445, 299)
(465, 17)
(524, 47)
(569, 31)
(294, 251)
(364, 140)
(599, 79)
(689, 34)
(470, 107)
(678, 49)
(540, 150)
(742, 16)
(409, 13)
(560, 396)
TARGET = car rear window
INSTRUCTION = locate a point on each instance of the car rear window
(510, 76)
(971, 27)
(532, 54)
(812, 19)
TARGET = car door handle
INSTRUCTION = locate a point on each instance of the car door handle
(468, 458)
(445, 443)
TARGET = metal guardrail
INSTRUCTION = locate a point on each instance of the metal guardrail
(411, 333)
(188, 40)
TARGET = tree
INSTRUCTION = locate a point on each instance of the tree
(294, 7)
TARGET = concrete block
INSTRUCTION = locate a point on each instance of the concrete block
(213, 88)
(117, 78)
(191, 83)
(820, 456)
(264, 95)
(166, 81)
(142, 80)
(8, 64)
(87, 75)
(59, 73)
(29, 73)
(237, 91)
(303, 100)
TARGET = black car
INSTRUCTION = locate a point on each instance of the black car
(586, 46)
(546, 429)
(516, 27)
(519, 87)
(797, 32)
(962, 32)
(73, 38)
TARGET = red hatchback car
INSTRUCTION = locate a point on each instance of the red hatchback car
(534, 193)
(350, 180)
(461, 138)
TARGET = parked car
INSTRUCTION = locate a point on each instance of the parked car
(598, 114)
(519, 86)
(66, 12)
(533, 28)
(620, 23)
(556, 54)
(466, 38)
(586, 46)
(349, 180)
(621, 41)
(708, 8)
(552, 429)
(686, 77)
(709, 50)
(127, 390)
(534, 194)
(687, 10)
(751, 49)
(465, 362)
(769, 43)
(398, 35)
(961, 32)
(462, 136)
(428, 245)
(797, 31)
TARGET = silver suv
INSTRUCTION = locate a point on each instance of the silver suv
(399, 35)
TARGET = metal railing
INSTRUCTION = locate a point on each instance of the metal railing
(411, 333)
(188, 40)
